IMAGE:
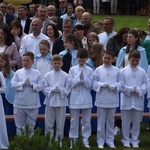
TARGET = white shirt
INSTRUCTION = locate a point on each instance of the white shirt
(27, 97)
(30, 43)
(106, 98)
(80, 97)
(133, 77)
(104, 37)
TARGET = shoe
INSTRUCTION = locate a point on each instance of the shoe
(111, 145)
(135, 145)
(87, 146)
(126, 145)
(100, 146)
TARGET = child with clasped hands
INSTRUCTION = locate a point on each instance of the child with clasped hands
(107, 85)
(56, 89)
(27, 82)
(134, 82)
(80, 99)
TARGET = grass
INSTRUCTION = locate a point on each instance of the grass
(144, 141)
(129, 21)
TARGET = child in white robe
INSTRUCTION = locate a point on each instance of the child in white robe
(27, 82)
(132, 99)
(56, 89)
(3, 130)
(80, 98)
(107, 85)
(42, 61)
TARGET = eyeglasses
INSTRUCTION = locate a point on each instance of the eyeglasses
(106, 24)
(62, 2)
(67, 26)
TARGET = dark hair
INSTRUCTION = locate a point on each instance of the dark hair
(79, 27)
(56, 57)
(16, 23)
(56, 33)
(30, 54)
(137, 43)
(7, 35)
(135, 54)
(82, 53)
(111, 19)
(110, 53)
(24, 7)
(120, 33)
(7, 68)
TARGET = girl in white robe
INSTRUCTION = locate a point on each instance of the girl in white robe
(3, 130)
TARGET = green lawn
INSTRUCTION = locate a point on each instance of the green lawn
(129, 21)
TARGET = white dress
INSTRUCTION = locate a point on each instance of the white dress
(3, 131)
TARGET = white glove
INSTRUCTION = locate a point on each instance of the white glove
(112, 88)
(134, 90)
(105, 85)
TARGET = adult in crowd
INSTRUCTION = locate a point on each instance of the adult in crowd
(79, 10)
(11, 10)
(51, 9)
(30, 42)
(2, 20)
(16, 31)
(36, 11)
(88, 26)
(23, 18)
(7, 17)
(148, 30)
(98, 24)
(114, 7)
(96, 6)
(133, 42)
(62, 8)
(67, 29)
(69, 12)
(108, 25)
(31, 12)
(118, 41)
(8, 47)
(53, 34)
(42, 15)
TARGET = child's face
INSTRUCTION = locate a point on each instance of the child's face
(134, 62)
(107, 59)
(2, 63)
(57, 64)
(91, 41)
(81, 61)
(68, 45)
(43, 49)
(131, 39)
(27, 62)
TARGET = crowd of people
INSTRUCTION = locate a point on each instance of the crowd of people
(58, 58)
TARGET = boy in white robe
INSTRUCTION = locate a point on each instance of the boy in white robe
(27, 82)
(80, 98)
(107, 85)
(132, 99)
(56, 90)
